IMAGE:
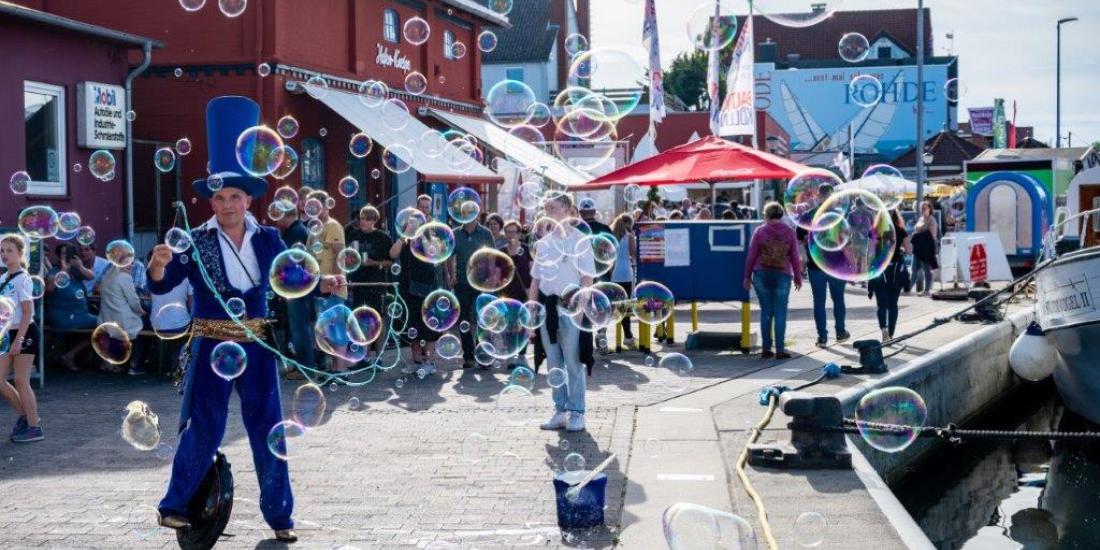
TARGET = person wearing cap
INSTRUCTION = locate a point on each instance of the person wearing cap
(587, 207)
(469, 238)
(230, 257)
(823, 285)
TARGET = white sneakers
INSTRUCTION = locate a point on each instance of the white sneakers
(556, 422)
(576, 423)
(570, 421)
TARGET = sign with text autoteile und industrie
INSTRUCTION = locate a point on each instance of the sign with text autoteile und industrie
(100, 116)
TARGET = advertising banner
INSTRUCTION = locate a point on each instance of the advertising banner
(738, 115)
(981, 121)
(815, 107)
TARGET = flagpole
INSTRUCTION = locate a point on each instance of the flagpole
(757, 185)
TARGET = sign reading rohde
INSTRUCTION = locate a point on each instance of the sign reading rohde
(100, 116)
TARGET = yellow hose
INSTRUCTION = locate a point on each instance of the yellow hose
(740, 469)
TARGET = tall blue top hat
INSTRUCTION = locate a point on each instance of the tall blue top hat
(227, 117)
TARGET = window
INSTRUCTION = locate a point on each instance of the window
(389, 25)
(515, 74)
(313, 163)
(448, 45)
(885, 52)
(44, 137)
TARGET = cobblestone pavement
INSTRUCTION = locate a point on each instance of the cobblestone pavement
(400, 471)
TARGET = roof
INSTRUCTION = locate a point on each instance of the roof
(480, 10)
(947, 148)
(1071, 153)
(818, 42)
(531, 37)
(49, 19)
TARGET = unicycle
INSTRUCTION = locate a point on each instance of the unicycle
(210, 508)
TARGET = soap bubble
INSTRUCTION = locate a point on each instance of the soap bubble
(164, 159)
(805, 192)
(294, 273)
(464, 205)
(317, 88)
(164, 318)
(853, 47)
(348, 187)
(68, 222)
(954, 89)
(308, 406)
(288, 126)
(375, 174)
(235, 307)
(503, 7)
(708, 34)
(523, 377)
(573, 462)
(192, 5)
(354, 403)
(140, 426)
(408, 222)
(794, 14)
(575, 44)
(260, 151)
(85, 235)
(111, 343)
(464, 326)
(360, 145)
(676, 371)
(539, 116)
(653, 302)
(395, 114)
(279, 437)
(372, 93)
(232, 8)
(416, 83)
(487, 41)
(286, 198)
(367, 325)
(7, 309)
(865, 90)
(263, 69)
(621, 302)
(835, 232)
(178, 72)
(38, 222)
(178, 240)
(601, 248)
(215, 182)
(336, 332)
(649, 361)
(228, 359)
(458, 50)
(516, 405)
(871, 236)
(508, 103)
(557, 377)
(501, 324)
(349, 260)
(483, 354)
(489, 270)
(891, 405)
(393, 158)
(441, 310)
(416, 31)
(312, 209)
(19, 182)
(809, 529)
(588, 308)
(690, 527)
(536, 314)
(885, 182)
(595, 64)
(183, 147)
(434, 243)
(62, 279)
(395, 269)
(101, 164)
(120, 253)
(448, 346)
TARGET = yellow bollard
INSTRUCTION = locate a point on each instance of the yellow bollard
(694, 316)
(746, 325)
(670, 329)
(643, 337)
(618, 337)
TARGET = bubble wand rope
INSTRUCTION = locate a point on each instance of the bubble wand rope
(322, 377)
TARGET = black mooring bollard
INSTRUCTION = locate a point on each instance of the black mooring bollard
(811, 446)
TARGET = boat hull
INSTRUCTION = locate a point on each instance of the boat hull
(1068, 309)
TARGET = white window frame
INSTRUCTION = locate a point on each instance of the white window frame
(51, 188)
(448, 44)
(390, 15)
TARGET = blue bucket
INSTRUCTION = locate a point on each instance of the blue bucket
(586, 510)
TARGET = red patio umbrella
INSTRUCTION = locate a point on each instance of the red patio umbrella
(709, 160)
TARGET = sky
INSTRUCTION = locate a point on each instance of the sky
(1006, 49)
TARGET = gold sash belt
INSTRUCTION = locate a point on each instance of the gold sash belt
(227, 330)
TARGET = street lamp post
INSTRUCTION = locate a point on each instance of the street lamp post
(920, 100)
(1058, 86)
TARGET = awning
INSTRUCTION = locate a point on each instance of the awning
(369, 120)
(519, 151)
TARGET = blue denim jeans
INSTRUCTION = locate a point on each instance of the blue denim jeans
(820, 282)
(299, 313)
(773, 289)
(565, 354)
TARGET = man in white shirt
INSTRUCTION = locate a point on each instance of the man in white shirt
(551, 281)
(97, 264)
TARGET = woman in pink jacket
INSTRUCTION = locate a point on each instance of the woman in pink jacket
(773, 261)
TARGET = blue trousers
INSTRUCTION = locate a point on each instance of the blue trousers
(820, 282)
(202, 427)
(300, 318)
(773, 289)
(565, 354)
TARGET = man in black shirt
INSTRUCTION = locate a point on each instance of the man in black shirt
(823, 285)
(299, 312)
(587, 208)
(373, 245)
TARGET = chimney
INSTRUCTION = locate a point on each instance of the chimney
(818, 8)
(584, 19)
(766, 52)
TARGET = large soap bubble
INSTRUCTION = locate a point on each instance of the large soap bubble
(489, 270)
(441, 310)
(796, 13)
(367, 325)
(708, 33)
(508, 103)
(408, 222)
(464, 205)
(693, 527)
(260, 151)
(900, 407)
(503, 325)
(434, 243)
(602, 68)
(229, 360)
(870, 236)
(140, 426)
(336, 332)
(805, 192)
(653, 302)
(111, 343)
(294, 273)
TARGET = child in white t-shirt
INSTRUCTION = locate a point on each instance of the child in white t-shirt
(18, 346)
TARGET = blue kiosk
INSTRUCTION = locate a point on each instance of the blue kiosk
(1016, 207)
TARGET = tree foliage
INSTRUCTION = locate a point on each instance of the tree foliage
(687, 79)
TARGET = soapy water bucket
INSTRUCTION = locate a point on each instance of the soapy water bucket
(585, 510)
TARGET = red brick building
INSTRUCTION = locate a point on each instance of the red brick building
(345, 42)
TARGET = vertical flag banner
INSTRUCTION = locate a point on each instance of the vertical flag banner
(1012, 129)
(737, 117)
(656, 75)
(712, 69)
(999, 140)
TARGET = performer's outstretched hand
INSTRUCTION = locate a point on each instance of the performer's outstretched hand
(333, 284)
(162, 255)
